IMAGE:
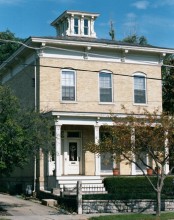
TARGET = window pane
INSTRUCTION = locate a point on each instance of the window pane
(76, 25)
(140, 96)
(105, 95)
(68, 85)
(106, 162)
(139, 89)
(105, 87)
(139, 82)
(85, 26)
(72, 151)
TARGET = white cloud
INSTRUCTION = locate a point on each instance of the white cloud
(161, 3)
(141, 4)
(157, 22)
(131, 15)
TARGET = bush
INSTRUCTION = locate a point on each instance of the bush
(123, 188)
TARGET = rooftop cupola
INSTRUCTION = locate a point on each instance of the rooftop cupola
(75, 23)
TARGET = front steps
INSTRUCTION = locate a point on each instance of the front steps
(90, 184)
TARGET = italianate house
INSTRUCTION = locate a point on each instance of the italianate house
(80, 80)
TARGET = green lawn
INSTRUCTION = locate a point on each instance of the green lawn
(164, 216)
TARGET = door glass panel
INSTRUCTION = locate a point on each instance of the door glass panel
(72, 151)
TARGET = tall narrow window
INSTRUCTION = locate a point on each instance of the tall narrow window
(139, 89)
(86, 27)
(68, 85)
(76, 25)
(105, 84)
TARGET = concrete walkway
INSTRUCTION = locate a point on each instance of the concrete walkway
(17, 208)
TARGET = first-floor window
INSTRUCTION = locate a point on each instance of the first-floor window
(105, 84)
(68, 85)
(139, 89)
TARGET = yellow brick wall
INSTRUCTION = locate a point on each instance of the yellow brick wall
(87, 86)
(23, 86)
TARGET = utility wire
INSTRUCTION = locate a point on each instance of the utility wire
(77, 69)
(86, 70)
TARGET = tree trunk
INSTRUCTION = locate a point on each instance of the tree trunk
(158, 203)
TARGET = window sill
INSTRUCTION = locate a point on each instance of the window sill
(141, 104)
(106, 103)
(68, 102)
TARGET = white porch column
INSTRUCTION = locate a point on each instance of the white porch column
(58, 158)
(166, 167)
(133, 166)
(97, 157)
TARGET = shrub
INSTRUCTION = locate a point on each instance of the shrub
(123, 188)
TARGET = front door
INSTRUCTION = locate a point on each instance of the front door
(73, 157)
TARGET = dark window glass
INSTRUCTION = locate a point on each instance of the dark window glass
(105, 87)
(139, 89)
(76, 25)
(73, 134)
(86, 27)
(68, 85)
(72, 151)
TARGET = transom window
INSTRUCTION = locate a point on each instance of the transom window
(68, 85)
(105, 85)
(139, 88)
(86, 27)
(76, 25)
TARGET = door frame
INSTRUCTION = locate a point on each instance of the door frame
(65, 149)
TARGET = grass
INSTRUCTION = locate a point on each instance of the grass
(164, 216)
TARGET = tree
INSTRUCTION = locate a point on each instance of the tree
(22, 132)
(168, 84)
(7, 48)
(135, 39)
(146, 141)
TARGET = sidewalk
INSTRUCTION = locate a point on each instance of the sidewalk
(20, 209)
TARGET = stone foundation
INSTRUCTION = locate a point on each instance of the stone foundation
(124, 206)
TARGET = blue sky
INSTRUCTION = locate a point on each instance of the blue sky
(152, 18)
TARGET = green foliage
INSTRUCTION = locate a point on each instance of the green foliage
(6, 49)
(135, 39)
(140, 216)
(125, 188)
(168, 85)
(22, 132)
(137, 187)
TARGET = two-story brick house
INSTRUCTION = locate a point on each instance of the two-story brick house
(80, 80)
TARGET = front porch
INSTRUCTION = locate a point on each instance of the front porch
(68, 184)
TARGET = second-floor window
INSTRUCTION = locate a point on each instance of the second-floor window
(68, 85)
(76, 25)
(139, 88)
(86, 26)
(105, 86)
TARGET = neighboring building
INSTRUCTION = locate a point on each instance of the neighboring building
(80, 80)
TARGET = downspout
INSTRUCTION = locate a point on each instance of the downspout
(35, 109)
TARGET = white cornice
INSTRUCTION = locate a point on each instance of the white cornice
(103, 45)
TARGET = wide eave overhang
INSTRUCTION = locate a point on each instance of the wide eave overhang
(43, 42)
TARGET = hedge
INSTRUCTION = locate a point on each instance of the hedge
(133, 188)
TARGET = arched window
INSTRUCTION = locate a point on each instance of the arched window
(140, 88)
(105, 86)
(68, 82)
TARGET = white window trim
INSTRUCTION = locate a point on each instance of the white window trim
(109, 72)
(68, 101)
(145, 76)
